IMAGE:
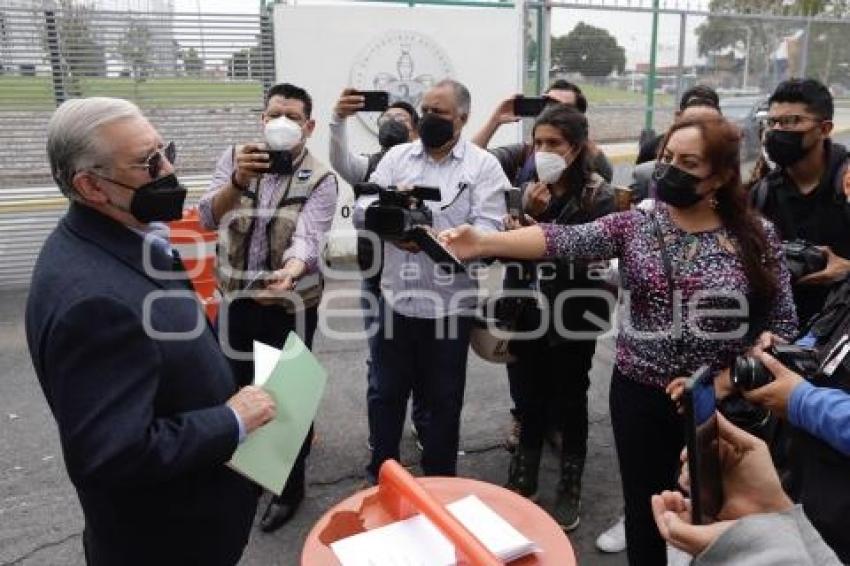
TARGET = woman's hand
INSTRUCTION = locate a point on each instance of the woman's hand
(464, 241)
(538, 198)
(512, 223)
(674, 390)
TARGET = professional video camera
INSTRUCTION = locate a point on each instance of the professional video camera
(397, 212)
(749, 373)
(402, 216)
(803, 258)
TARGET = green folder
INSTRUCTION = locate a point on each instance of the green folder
(296, 383)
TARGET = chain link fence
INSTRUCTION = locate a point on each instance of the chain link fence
(634, 58)
(198, 77)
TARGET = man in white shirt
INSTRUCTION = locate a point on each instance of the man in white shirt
(424, 337)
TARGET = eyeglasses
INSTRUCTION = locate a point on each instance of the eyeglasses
(153, 163)
(789, 121)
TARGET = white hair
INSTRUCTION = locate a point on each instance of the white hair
(463, 100)
(72, 135)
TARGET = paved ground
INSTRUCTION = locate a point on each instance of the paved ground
(40, 518)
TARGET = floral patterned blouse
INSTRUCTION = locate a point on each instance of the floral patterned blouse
(707, 276)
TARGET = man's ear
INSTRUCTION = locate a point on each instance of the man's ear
(826, 127)
(464, 118)
(309, 126)
(86, 186)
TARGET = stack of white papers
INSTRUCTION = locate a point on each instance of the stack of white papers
(417, 542)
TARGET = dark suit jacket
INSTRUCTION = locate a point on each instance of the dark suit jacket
(143, 427)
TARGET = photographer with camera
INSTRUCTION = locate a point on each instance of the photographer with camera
(424, 337)
(274, 201)
(517, 160)
(804, 195)
(808, 385)
(757, 525)
(549, 378)
(396, 125)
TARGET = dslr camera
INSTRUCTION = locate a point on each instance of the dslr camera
(749, 373)
(396, 214)
(803, 258)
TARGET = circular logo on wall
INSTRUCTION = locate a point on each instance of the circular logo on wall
(403, 63)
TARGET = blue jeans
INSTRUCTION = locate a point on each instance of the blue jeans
(414, 359)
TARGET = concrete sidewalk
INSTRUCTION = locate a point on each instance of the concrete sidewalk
(41, 521)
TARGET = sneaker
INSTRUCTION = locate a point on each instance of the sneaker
(512, 440)
(614, 539)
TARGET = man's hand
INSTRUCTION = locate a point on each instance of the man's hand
(254, 406)
(409, 247)
(251, 162)
(349, 103)
(672, 514)
(504, 112)
(776, 394)
(765, 341)
(836, 269)
(538, 198)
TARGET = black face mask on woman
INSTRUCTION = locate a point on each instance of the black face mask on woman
(435, 131)
(392, 133)
(676, 187)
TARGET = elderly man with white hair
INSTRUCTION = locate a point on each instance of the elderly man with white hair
(145, 403)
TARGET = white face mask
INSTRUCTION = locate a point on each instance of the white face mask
(550, 166)
(282, 134)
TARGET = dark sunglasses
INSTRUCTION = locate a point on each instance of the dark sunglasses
(154, 162)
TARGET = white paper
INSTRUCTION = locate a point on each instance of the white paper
(265, 360)
(417, 542)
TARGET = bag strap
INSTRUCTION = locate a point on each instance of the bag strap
(665, 257)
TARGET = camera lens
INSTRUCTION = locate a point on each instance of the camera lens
(749, 373)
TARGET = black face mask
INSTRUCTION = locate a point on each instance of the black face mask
(280, 162)
(785, 148)
(676, 187)
(160, 200)
(435, 131)
(392, 133)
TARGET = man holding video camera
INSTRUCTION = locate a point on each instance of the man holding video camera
(805, 195)
(424, 336)
(808, 385)
(271, 203)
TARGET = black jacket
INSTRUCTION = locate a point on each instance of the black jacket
(821, 217)
(143, 428)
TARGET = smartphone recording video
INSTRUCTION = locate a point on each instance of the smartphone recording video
(374, 100)
(529, 106)
(703, 442)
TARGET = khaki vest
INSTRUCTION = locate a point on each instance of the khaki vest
(238, 225)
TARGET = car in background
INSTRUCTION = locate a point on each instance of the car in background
(748, 113)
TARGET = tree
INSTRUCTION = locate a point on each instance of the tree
(192, 62)
(135, 49)
(828, 49)
(588, 50)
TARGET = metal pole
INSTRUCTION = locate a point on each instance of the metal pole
(683, 26)
(650, 80)
(804, 59)
(538, 87)
(546, 49)
(55, 57)
(747, 58)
